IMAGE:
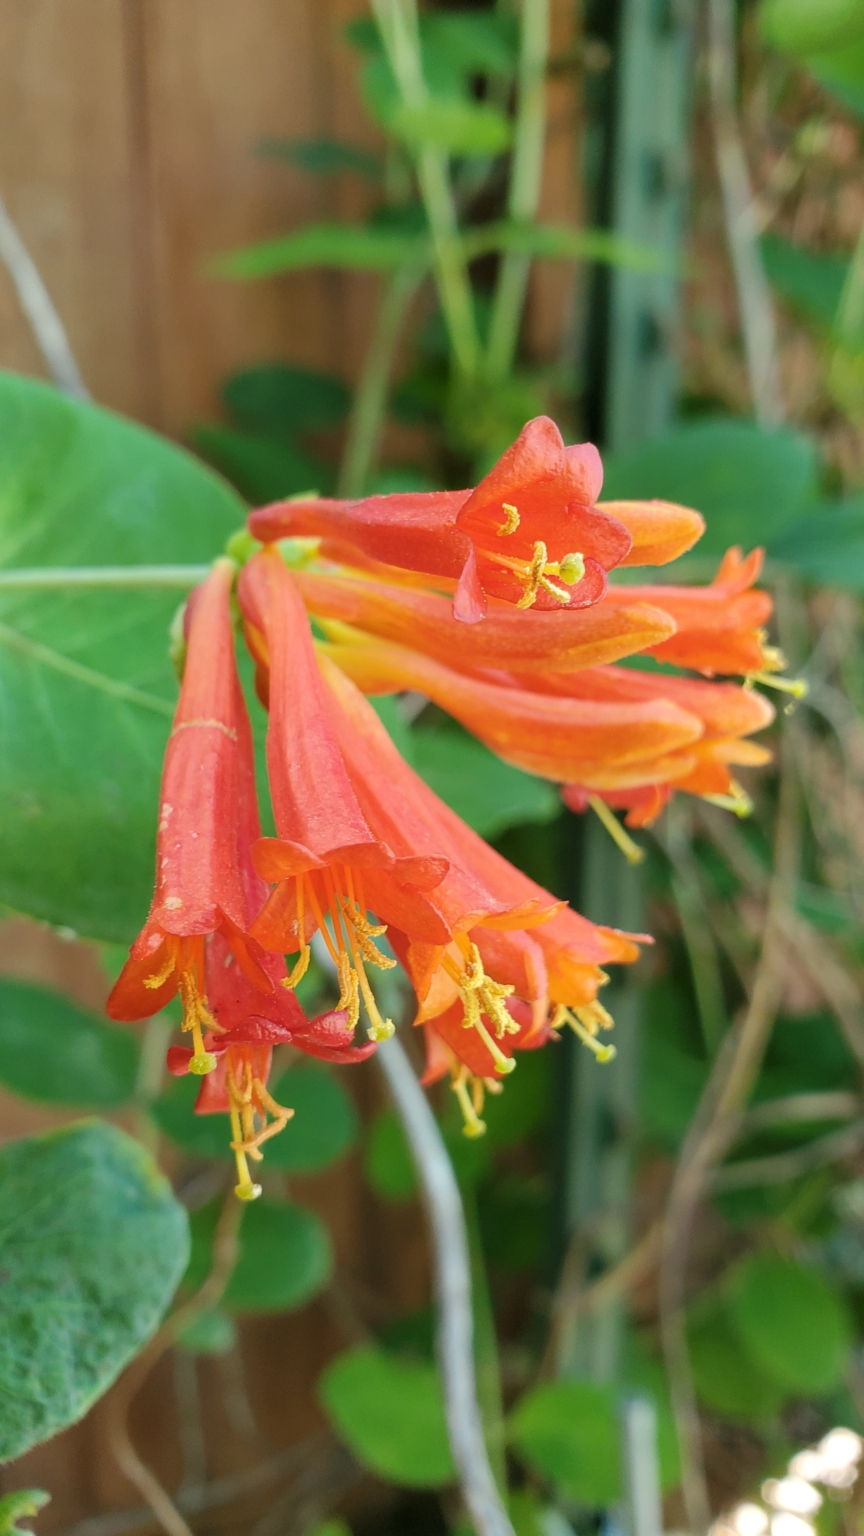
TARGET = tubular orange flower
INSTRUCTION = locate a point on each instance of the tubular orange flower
(352, 834)
(719, 628)
(727, 713)
(607, 745)
(251, 1024)
(529, 534)
(553, 641)
(208, 818)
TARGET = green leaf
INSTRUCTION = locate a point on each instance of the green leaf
(560, 242)
(324, 1125)
(391, 1414)
(87, 689)
(792, 1321)
(748, 481)
(284, 1259)
(828, 546)
(17, 1506)
(279, 401)
(811, 281)
(353, 246)
(727, 1377)
(387, 1160)
(842, 72)
(459, 127)
(486, 792)
(93, 1245)
(54, 1052)
(810, 26)
(475, 42)
(324, 157)
(261, 469)
(568, 1431)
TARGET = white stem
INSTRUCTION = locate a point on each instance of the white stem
(45, 323)
(453, 1290)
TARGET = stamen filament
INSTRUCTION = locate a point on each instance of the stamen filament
(631, 851)
(563, 1015)
(244, 1189)
(474, 1126)
(797, 686)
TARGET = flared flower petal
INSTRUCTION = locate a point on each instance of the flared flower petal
(529, 534)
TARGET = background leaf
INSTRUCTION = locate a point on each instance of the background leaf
(728, 1379)
(285, 1256)
(284, 402)
(391, 1415)
(749, 482)
(357, 246)
(325, 1120)
(387, 1160)
(827, 546)
(261, 469)
(93, 1245)
(87, 690)
(486, 792)
(792, 1321)
(459, 127)
(18, 1506)
(324, 157)
(811, 281)
(54, 1052)
(568, 1431)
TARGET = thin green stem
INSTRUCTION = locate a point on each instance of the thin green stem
(525, 181)
(50, 578)
(400, 31)
(370, 399)
(850, 310)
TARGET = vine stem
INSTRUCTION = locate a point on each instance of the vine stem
(370, 399)
(712, 1131)
(525, 182)
(453, 1290)
(50, 578)
(754, 296)
(35, 301)
(400, 31)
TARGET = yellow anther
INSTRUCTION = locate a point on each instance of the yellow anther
(797, 686)
(349, 993)
(738, 801)
(202, 1062)
(631, 851)
(159, 978)
(571, 569)
(511, 522)
(585, 1022)
(474, 1126)
(299, 968)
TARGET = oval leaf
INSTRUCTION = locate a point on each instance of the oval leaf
(727, 1377)
(568, 1431)
(792, 1321)
(391, 1414)
(87, 689)
(54, 1052)
(93, 1243)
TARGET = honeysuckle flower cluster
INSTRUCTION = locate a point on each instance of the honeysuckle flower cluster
(495, 604)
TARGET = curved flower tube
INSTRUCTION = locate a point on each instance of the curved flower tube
(530, 534)
(208, 818)
(606, 745)
(561, 640)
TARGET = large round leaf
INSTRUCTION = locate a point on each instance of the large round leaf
(52, 1051)
(86, 686)
(792, 1321)
(284, 1258)
(391, 1413)
(568, 1431)
(728, 1379)
(93, 1244)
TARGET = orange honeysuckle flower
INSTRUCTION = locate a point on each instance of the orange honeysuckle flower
(728, 714)
(453, 1050)
(530, 534)
(719, 628)
(208, 818)
(557, 640)
(606, 745)
(353, 834)
(253, 1023)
